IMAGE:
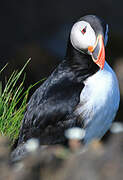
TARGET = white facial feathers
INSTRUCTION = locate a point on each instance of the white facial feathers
(79, 40)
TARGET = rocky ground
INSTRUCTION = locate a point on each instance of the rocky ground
(97, 162)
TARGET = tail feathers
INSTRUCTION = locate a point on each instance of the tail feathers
(18, 153)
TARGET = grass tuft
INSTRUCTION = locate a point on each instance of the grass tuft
(13, 102)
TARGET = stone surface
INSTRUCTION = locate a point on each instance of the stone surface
(98, 161)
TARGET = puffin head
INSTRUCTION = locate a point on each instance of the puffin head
(89, 35)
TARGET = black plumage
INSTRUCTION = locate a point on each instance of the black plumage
(51, 108)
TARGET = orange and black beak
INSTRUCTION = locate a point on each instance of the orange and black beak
(98, 52)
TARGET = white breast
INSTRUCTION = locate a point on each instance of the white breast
(99, 102)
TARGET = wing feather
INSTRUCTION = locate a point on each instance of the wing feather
(50, 106)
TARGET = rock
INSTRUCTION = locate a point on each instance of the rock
(96, 162)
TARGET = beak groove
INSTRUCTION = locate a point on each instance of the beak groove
(98, 52)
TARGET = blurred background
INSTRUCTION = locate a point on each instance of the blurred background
(39, 29)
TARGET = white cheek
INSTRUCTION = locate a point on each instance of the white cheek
(80, 41)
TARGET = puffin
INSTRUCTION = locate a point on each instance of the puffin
(83, 90)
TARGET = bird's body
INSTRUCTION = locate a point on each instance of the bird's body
(100, 101)
(82, 91)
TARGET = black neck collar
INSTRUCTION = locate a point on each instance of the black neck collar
(81, 63)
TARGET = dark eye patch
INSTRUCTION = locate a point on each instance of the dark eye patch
(84, 30)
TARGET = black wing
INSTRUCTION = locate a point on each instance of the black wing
(50, 109)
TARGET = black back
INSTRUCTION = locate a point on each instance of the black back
(51, 108)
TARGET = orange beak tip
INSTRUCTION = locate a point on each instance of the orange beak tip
(102, 66)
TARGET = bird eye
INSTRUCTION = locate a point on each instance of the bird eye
(84, 30)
